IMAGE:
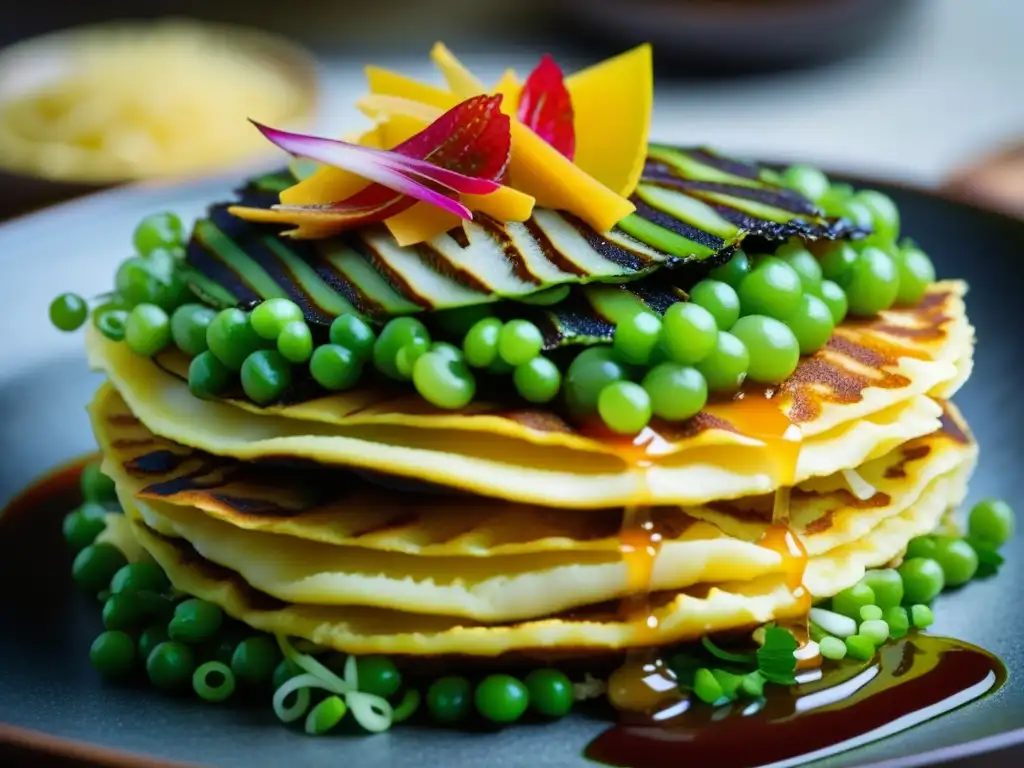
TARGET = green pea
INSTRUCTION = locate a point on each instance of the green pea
(158, 230)
(855, 211)
(231, 338)
(835, 299)
(725, 369)
(112, 654)
(285, 671)
(271, 315)
(624, 407)
(378, 675)
(194, 621)
(83, 525)
(442, 382)
(807, 180)
(68, 312)
(97, 487)
(885, 216)
(886, 585)
(111, 322)
(637, 336)
(921, 616)
(550, 692)
(456, 323)
(213, 681)
(811, 323)
(923, 580)
(352, 333)
(519, 341)
(255, 659)
(147, 330)
(501, 698)
(170, 666)
(838, 261)
(916, 273)
(295, 342)
(804, 263)
(189, 325)
(849, 601)
(991, 521)
(920, 546)
(773, 348)
(208, 377)
(733, 271)
(95, 566)
(393, 336)
(335, 368)
(137, 284)
(871, 286)
(266, 375)
(150, 638)
(688, 333)
(773, 289)
(449, 700)
(958, 560)
(480, 345)
(676, 392)
(125, 611)
(588, 374)
(405, 360)
(221, 647)
(537, 381)
(143, 576)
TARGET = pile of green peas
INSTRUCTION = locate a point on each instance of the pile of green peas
(887, 602)
(153, 277)
(500, 698)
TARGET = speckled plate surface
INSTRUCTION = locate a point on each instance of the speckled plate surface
(48, 687)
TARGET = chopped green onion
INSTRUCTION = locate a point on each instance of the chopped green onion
(860, 648)
(753, 685)
(832, 648)
(719, 653)
(898, 621)
(875, 630)
(729, 682)
(407, 706)
(299, 685)
(213, 691)
(706, 687)
(325, 715)
(833, 623)
(870, 612)
(921, 616)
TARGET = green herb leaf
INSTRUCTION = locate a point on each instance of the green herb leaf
(776, 660)
(685, 667)
(748, 659)
(753, 685)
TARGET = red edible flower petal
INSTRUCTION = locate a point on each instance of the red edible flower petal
(546, 107)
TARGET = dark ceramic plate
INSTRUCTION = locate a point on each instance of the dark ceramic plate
(47, 686)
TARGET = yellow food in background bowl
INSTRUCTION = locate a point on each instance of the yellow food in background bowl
(128, 101)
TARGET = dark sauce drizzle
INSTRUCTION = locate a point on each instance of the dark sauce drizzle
(911, 680)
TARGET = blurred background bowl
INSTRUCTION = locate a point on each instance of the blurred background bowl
(36, 170)
(722, 37)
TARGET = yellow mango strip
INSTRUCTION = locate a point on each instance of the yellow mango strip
(384, 82)
(381, 108)
(462, 82)
(612, 103)
(424, 222)
(555, 182)
(309, 224)
(420, 224)
(509, 87)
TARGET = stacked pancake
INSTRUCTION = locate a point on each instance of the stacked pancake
(368, 522)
